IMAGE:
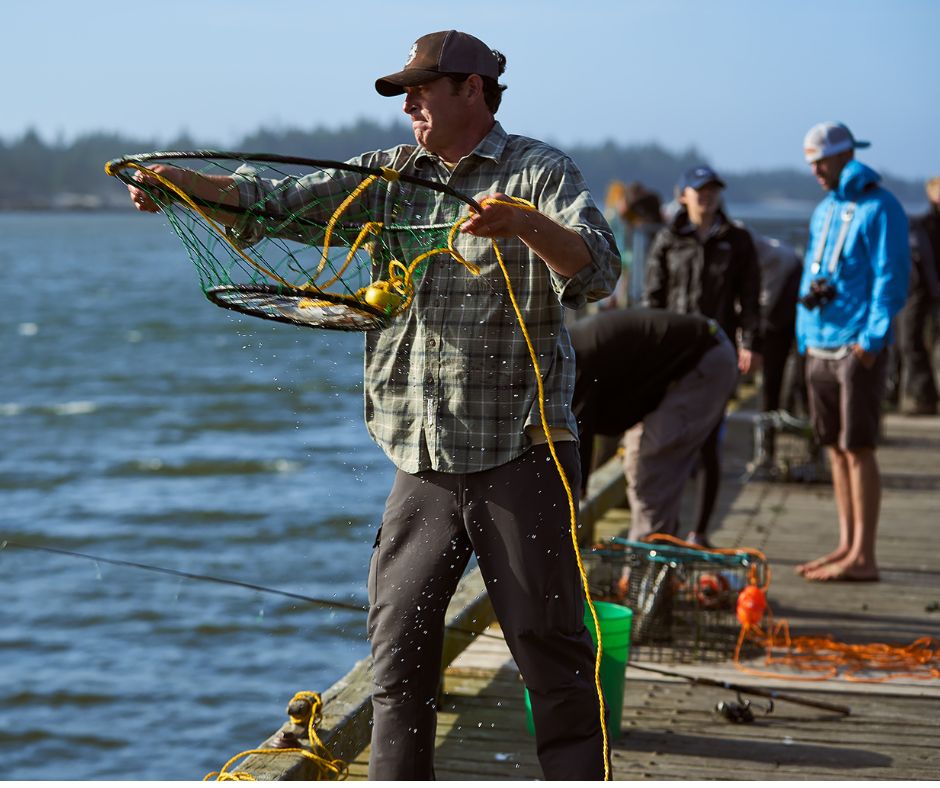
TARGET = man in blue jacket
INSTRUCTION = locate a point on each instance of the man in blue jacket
(855, 280)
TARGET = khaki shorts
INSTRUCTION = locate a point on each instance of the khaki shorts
(845, 400)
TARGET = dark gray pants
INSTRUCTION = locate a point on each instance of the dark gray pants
(515, 518)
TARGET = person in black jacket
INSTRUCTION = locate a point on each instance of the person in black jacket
(701, 263)
(917, 385)
(780, 271)
(662, 377)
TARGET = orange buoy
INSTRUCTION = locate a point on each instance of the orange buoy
(751, 606)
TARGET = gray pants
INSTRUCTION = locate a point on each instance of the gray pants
(515, 519)
(660, 451)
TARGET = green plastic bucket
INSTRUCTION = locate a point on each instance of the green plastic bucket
(615, 621)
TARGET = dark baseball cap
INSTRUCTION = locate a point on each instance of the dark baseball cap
(698, 177)
(436, 54)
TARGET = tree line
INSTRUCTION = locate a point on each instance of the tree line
(42, 175)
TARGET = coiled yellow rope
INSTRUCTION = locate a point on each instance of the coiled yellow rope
(327, 767)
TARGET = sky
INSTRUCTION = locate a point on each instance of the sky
(739, 80)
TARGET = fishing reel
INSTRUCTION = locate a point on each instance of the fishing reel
(739, 712)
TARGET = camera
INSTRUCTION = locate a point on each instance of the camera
(821, 292)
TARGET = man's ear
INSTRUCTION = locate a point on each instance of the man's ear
(473, 86)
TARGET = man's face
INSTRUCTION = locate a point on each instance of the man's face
(438, 113)
(701, 201)
(828, 169)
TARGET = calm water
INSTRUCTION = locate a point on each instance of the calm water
(142, 423)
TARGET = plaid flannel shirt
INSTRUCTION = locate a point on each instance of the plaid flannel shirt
(450, 386)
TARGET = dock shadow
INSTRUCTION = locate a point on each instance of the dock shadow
(780, 753)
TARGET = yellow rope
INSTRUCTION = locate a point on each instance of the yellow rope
(524, 205)
(324, 255)
(327, 767)
(369, 228)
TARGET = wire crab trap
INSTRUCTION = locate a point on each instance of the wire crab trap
(310, 242)
(785, 449)
(683, 600)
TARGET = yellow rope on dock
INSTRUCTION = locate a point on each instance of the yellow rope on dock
(327, 767)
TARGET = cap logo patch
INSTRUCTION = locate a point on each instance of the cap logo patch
(412, 54)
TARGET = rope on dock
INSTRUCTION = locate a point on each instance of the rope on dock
(304, 710)
(823, 655)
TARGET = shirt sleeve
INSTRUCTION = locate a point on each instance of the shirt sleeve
(749, 294)
(295, 207)
(563, 196)
(891, 262)
(656, 295)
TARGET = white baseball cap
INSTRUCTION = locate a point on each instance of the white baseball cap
(828, 139)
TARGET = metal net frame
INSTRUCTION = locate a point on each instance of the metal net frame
(317, 243)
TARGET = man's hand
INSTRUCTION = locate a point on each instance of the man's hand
(139, 197)
(866, 357)
(749, 361)
(219, 189)
(561, 249)
(497, 220)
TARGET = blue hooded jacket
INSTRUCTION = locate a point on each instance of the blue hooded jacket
(872, 275)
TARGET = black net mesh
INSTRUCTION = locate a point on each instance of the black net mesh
(314, 243)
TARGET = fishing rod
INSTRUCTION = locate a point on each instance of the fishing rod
(331, 603)
(328, 603)
(748, 690)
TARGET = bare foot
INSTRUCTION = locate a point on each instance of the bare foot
(843, 572)
(834, 557)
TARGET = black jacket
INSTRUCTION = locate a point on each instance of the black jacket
(925, 255)
(625, 361)
(718, 279)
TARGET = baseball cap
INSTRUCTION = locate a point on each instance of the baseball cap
(828, 139)
(436, 54)
(698, 177)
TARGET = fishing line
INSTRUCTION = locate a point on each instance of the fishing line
(330, 603)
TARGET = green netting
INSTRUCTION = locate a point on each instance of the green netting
(316, 243)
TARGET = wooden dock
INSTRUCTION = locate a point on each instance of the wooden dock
(670, 728)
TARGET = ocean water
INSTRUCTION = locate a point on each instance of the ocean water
(142, 423)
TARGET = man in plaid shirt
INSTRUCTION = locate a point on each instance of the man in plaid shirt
(451, 397)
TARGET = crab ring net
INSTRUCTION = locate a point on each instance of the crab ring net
(315, 243)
